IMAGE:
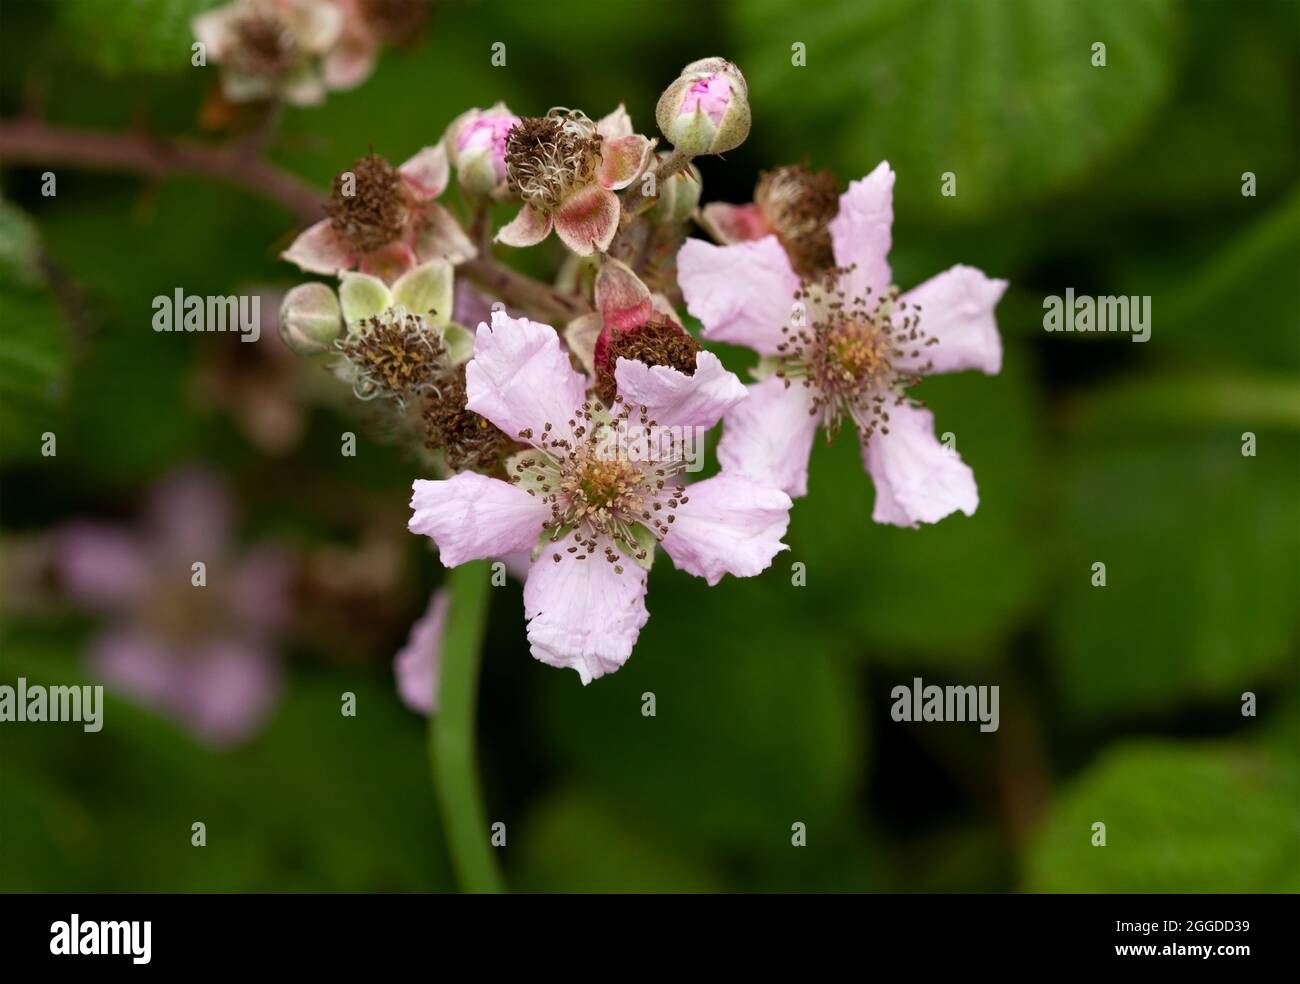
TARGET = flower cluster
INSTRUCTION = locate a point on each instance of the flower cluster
(567, 423)
(296, 50)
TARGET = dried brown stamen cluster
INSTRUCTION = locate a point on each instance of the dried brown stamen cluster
(547, 156)
(656, 343)
(396, 354)
(600, 485)
(264, 47)
(799, 204)
(395, 21)
(467, 440)
(368, 206)
(857, 355)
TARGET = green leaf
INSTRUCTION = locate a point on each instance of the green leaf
(576, 842)
(1199, 543)
(33, 343)
(1179, 818)
(1002, 94)
(133, 37)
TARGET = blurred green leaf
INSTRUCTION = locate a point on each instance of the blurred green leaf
(1200, 546)
(1179, 818)
(575, 842)
(33, 341)
(1003, 94)
(130, 37)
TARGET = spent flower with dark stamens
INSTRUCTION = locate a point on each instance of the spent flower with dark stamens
(263, 46)
(368, 206)
(850, 352)
(657, 342)
(395, 354)
(798, 205)
(468, 440)
(395, 21)
(548, 156)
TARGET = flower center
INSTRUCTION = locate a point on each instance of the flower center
(798, 206)
(858, 355)
(368, 205)
(607, 493)
(264, 47)
(547, 156)
(396, 354)
(656, 343)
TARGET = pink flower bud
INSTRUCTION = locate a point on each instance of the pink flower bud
(476, 143)
(706, 110)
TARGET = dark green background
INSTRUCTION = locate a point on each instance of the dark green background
(1120, 704)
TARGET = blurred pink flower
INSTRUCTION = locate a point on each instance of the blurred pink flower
(845, 346)
(201, 655)
(416, 665)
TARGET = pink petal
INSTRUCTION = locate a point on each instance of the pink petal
(350, 62)
(917, 479)
(136, 664)
(320, 250)
(743, 294)
(622, 160)
(389, 262)
(582, 614)
(862, 231)
(622, 299)
(438, 236)
(229, 688)
(190, 514)
(416, 665)
(528, 228)
(675, 399)
(587, 220)
(101, 566)
(734, 223)
(521, 379)
(471, 516)
(616, 124)
(427, 172)
(768, 437)
(728, 525)
(956, 307)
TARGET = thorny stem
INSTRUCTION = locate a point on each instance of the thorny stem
(27, 141)
(634, 200)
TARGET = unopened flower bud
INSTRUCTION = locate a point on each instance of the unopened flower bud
(476, 144)
(678, 197)
(310, 319)
(706, 110)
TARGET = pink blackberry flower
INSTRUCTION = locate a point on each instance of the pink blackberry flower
(384, 220)
(270, 49)
(844, 346)
(204, 656)
(566, 169)
(596, 491)
(416, 666)
(476, 145)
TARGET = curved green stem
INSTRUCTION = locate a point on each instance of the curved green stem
(452, 759)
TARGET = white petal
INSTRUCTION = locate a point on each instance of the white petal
(675, 399)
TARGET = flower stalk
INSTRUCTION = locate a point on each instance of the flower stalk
(452, 758)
